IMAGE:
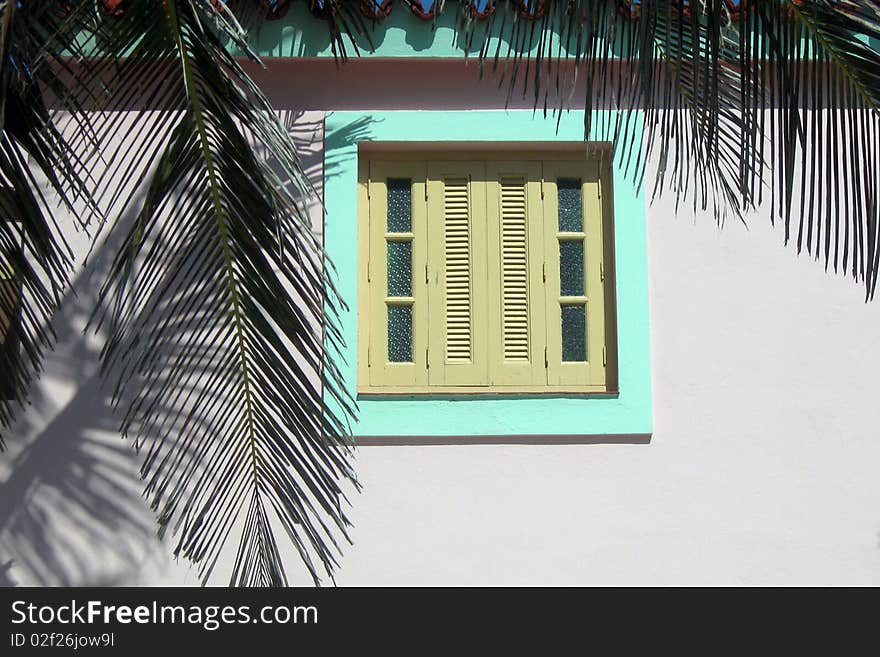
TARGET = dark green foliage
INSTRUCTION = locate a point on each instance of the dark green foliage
(736, 108)
(218, 308)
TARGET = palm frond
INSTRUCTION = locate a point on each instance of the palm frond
(40, 174)
(218, 308)
(826, 123)
(782, 96)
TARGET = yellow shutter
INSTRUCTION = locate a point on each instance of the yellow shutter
(587, 372)
(385, 306)
(485, 295)
(516, 292)
(457, 273)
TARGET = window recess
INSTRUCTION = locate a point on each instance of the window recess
(484, 273)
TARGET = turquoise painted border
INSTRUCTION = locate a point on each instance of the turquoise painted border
(401, 34)
(299, 34)
(627, 413)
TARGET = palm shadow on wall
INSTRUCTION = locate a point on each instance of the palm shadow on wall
(72, 507)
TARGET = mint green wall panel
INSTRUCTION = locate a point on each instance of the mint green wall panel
(628, 412)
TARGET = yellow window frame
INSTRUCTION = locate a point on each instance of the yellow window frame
(431, 373)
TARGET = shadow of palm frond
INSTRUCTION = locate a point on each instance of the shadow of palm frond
(72, 492)
(348, 135)
(71, 508)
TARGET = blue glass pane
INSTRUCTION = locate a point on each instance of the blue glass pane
(574, 333)
(400, 334)
(571, 210)
(399, 205)
(571, 268)
(400, 269)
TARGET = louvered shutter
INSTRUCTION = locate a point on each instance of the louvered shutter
(573, 248)
(484, 275)
(457, 274)
(516, 290)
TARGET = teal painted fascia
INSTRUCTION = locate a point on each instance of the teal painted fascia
(629, 412)
(300, 34)
(401, 34)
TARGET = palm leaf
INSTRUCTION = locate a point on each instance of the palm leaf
(827, 124)
(218, 307)
(784, 96)
(39, 174)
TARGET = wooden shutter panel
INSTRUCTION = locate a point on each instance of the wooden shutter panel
(587, 374)
(382, 372)
(457, 274)
(517, 315)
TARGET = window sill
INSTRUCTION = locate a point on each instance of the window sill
(531, 439)
(465, 392)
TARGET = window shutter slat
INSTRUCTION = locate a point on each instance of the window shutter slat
(514, 271)
(516, 341)
(458, 270)
(457, 273)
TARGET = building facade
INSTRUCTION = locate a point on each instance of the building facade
(559, 381)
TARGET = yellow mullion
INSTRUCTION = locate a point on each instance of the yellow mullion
(365, 292)
(594, 256)
(551, 273)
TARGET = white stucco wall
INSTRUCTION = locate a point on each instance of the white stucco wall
(763, 467)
